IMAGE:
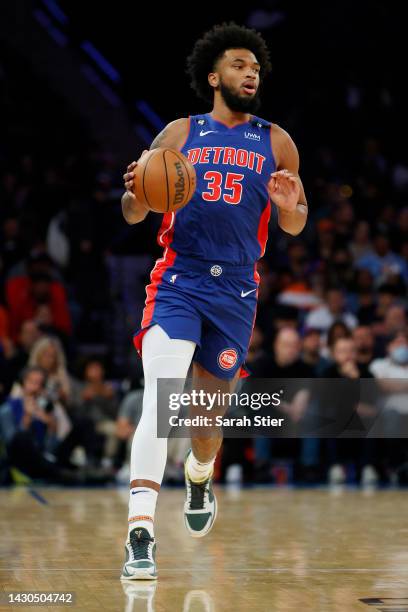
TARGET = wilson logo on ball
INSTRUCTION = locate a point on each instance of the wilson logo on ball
(227, 359)
(179, 185)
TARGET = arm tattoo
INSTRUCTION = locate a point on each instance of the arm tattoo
(157, 142)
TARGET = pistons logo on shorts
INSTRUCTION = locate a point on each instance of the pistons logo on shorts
(227, 359)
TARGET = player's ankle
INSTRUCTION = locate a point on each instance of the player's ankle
(199, 471)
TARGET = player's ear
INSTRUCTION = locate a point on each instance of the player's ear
(213, 79)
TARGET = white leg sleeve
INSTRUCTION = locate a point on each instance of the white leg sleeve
(162, 358)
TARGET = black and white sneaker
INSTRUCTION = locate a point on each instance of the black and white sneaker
(140, 550)
(200, 507)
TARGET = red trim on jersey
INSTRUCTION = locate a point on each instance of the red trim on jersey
(156, 276)
(164, 238)
(166, 231)
(263, 227)
(244, 372)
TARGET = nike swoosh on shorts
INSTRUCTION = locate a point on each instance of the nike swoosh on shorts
(245, 293)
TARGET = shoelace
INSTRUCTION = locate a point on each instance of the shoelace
(141, 547)
(198, 493)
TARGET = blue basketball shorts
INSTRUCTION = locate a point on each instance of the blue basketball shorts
(213, 305)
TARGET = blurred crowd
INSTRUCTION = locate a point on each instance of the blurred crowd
(332, 302)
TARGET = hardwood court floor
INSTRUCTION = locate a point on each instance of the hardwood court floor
(270, 550)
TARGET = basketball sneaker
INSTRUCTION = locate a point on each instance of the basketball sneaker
(140, 550)
(200, 507)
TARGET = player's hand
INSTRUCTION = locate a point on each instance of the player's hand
(284, 190)
(129, 175)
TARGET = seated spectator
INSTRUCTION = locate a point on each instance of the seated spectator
(28, 425)
(333, 310)
(343, 217)
(285, 362)
(335, 400)
(47, 353)
(129, 415)
(31, 427)
(344, 355)
(312, 351)
(340, 268)
(391, 373)
(18, 354)
(363, 297)
(336, 330)
(395, 320)
(394, 366)
(130, 411)
(383, 264)
(361, 244)
(364, 341)
(26, 294)
(95, 399)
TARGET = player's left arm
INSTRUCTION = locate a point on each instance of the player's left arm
(285, 187)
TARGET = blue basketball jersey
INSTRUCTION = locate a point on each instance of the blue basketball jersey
(226, 221)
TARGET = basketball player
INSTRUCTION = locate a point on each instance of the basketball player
(201, 302)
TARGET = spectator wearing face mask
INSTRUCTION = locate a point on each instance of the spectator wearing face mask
(394, 366)
(391, 373)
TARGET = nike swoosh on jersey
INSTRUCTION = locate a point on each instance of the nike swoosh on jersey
(208, 132)
(245, 293)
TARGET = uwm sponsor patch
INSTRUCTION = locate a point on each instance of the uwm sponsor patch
(227, 359)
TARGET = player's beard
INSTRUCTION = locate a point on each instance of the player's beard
(237, 103)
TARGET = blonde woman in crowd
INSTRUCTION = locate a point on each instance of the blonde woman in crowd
(47, 353)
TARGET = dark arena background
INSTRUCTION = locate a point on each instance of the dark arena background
(305, 524)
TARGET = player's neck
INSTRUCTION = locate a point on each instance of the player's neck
(222, 113)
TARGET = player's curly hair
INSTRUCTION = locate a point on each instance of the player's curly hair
(211, 47)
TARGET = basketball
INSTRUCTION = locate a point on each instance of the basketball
(165, 180)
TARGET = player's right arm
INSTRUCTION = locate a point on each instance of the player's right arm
(173, 136)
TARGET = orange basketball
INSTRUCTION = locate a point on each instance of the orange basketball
(164, 180)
